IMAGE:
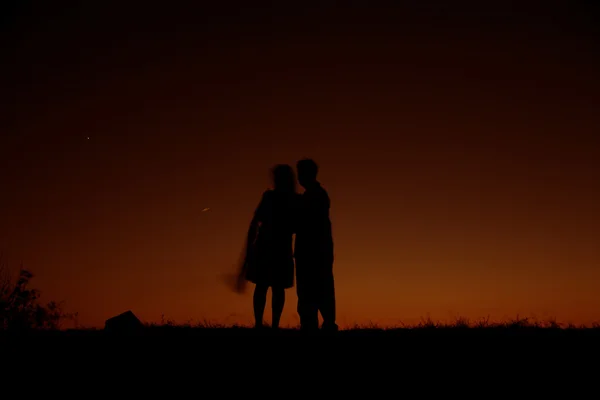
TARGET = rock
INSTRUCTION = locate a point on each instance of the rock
(123, 323)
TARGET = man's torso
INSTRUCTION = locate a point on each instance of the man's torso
(314, 240)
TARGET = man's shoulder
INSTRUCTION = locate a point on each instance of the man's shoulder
(321, 193)
(318, 190)
(317, 195)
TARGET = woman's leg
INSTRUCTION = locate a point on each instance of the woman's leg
(259, 300)
(277, 302)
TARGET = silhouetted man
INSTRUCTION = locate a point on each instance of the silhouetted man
(314, 252)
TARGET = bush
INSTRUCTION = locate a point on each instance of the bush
(20, 308)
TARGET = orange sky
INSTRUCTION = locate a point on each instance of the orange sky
(458, 149)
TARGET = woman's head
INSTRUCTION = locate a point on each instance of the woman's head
(284, 178)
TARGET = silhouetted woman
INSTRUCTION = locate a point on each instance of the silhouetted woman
(269, 261)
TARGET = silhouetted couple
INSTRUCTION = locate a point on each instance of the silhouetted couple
(270, 252)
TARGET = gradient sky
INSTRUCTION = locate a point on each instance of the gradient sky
(459, 148)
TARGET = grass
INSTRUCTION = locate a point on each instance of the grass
(427, 327)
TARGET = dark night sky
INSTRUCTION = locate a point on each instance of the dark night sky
(458, 145)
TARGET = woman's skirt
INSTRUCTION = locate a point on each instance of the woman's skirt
(270, 267)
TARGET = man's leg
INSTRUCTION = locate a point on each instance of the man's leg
(307, 307)
(327, 300)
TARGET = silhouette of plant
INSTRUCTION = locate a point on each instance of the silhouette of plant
(20, 308)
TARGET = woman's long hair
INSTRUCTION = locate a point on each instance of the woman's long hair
(284, 178)
(284, 181)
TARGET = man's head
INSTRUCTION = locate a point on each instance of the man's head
(307, 172)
